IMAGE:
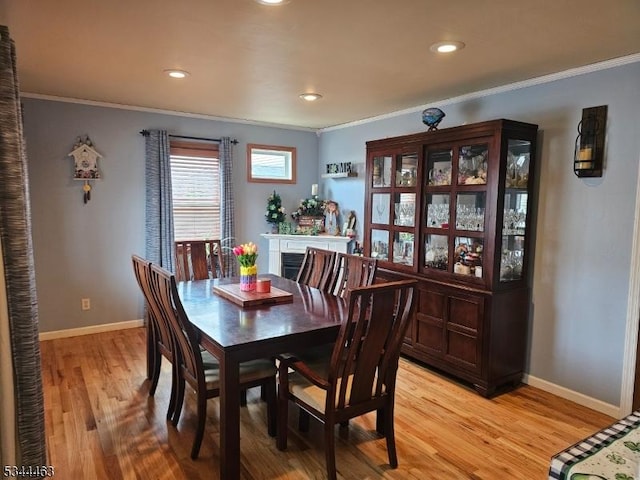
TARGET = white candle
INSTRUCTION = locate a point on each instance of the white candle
(314, 189)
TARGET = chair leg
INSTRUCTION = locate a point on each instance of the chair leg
(174, 391)
(380, 419)
(330, 451)
(151, 351)
(390, 435)
(283, 416)
(155, 374)
(243, 397)
(263, 393)
(303, 420)
(269, 390)
(202, 417)
(179, 400)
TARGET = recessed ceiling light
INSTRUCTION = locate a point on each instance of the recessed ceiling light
(272, 2)
(446, 47)
(310, 97)
(177, 73)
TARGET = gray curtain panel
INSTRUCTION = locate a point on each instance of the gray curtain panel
(227, 206)
(159, 209)
(17, 249)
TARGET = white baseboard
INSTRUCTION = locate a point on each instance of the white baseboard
(105, 327)
(579, 398)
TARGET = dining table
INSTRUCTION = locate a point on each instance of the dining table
(234, 332)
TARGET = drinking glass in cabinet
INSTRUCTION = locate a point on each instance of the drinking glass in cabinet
(380, 208)
(403, 248)
(436, 252)
(467, 257)
(406, 175)
(438, 210)
(472, 165)
(380, 244)
(470, 211)
(514, 222)
(405, 209)
(518, 156)
(382, 171)
(439, 166)
(511, 265)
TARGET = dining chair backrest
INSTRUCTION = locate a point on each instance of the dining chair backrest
(199, 259)
(188, 355)
(352, 271)
(368, 346)
(317, 268)
(142, 271)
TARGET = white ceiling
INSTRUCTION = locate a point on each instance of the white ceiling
(250, 61)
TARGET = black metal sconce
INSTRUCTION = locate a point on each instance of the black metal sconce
(589, 152)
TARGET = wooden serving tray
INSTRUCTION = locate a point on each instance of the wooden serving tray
(232, 292)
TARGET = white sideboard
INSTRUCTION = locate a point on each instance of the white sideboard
(279, 244)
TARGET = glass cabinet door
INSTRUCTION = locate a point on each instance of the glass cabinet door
(436, 248)
(380, 244)
(437, 210)
(439, 164)
(514, 220)
(407, 170)
(404, 207)
(472, 164)
(403, 248)
(470, 209)
(382, 171)
(380, 208)
(468, 256)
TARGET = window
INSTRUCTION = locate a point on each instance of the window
(195, 183)
(271, 164)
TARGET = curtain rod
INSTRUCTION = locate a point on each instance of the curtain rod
(145, 133)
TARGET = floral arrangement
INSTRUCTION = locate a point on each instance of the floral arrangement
(246, 254)
(312, 207)
(275, 213)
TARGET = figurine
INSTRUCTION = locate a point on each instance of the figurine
(331, 214)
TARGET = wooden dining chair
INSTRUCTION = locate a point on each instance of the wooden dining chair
(346, 272)
(199, 259)
(199, 368)
(351, 271)
(317, 268)
(160, 342)
(361, 375)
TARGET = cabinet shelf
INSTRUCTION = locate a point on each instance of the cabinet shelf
(436, 210)
(340, 175)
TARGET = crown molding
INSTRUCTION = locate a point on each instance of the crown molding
(175, 113)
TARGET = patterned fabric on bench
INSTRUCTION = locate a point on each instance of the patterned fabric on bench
(611, 453)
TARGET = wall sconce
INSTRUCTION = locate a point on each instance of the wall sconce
(589, 152)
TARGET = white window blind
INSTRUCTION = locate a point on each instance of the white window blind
(195, 182)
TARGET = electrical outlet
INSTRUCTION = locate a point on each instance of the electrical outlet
(86, 304)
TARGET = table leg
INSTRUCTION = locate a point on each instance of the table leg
(229, 418)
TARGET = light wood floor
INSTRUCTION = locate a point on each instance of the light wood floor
(101, 424)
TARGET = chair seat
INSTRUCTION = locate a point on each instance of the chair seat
(249, 371)
(313, 395)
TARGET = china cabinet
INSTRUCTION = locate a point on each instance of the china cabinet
(452, 208)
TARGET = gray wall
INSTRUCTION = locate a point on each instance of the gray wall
(584, 227)
(85, 250)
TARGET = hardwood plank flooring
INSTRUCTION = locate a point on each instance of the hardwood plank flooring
(102, 424)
